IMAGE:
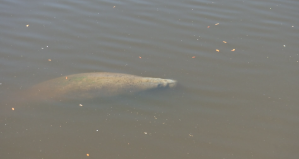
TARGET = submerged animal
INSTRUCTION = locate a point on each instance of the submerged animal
(91, 85)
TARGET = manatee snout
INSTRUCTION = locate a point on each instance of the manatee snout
(167, 83)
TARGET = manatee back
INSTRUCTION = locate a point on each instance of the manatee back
(92, 85)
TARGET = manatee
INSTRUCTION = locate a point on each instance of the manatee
(92, 85)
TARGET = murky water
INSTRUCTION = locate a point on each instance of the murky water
(237, 64)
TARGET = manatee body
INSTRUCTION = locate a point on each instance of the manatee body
(98, 84)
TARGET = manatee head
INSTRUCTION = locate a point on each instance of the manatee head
(167, 83)
(152, 83)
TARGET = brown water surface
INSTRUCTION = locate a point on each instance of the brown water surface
(237, 64)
